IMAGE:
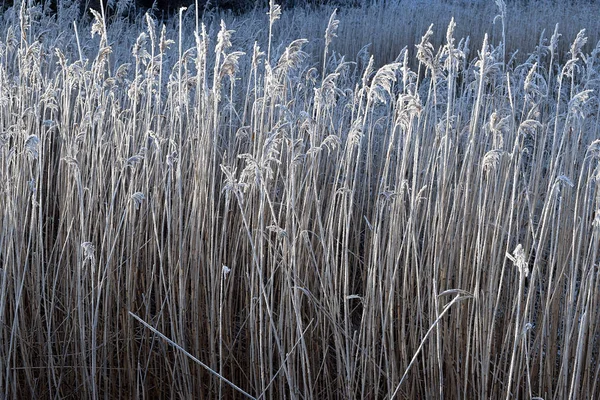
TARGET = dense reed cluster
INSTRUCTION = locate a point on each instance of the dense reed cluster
(199, 216)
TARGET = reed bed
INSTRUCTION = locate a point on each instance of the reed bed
(199, 216)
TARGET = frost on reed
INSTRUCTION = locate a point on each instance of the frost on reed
(189, 220)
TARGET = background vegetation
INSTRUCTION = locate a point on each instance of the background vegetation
(193, 212)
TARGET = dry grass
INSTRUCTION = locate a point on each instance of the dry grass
(181, 219)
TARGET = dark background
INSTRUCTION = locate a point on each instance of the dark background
(167, 7)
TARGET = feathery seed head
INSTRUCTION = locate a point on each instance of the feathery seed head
(138, 198)
(519, 260)
(332, 26)
(578, 44)
(89, 251)
(274, 11)
(381, 87)
(32, 146)
(223, 38)
(164, 42)
(491, 160)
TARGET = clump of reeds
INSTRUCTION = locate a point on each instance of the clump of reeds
(192, 220)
